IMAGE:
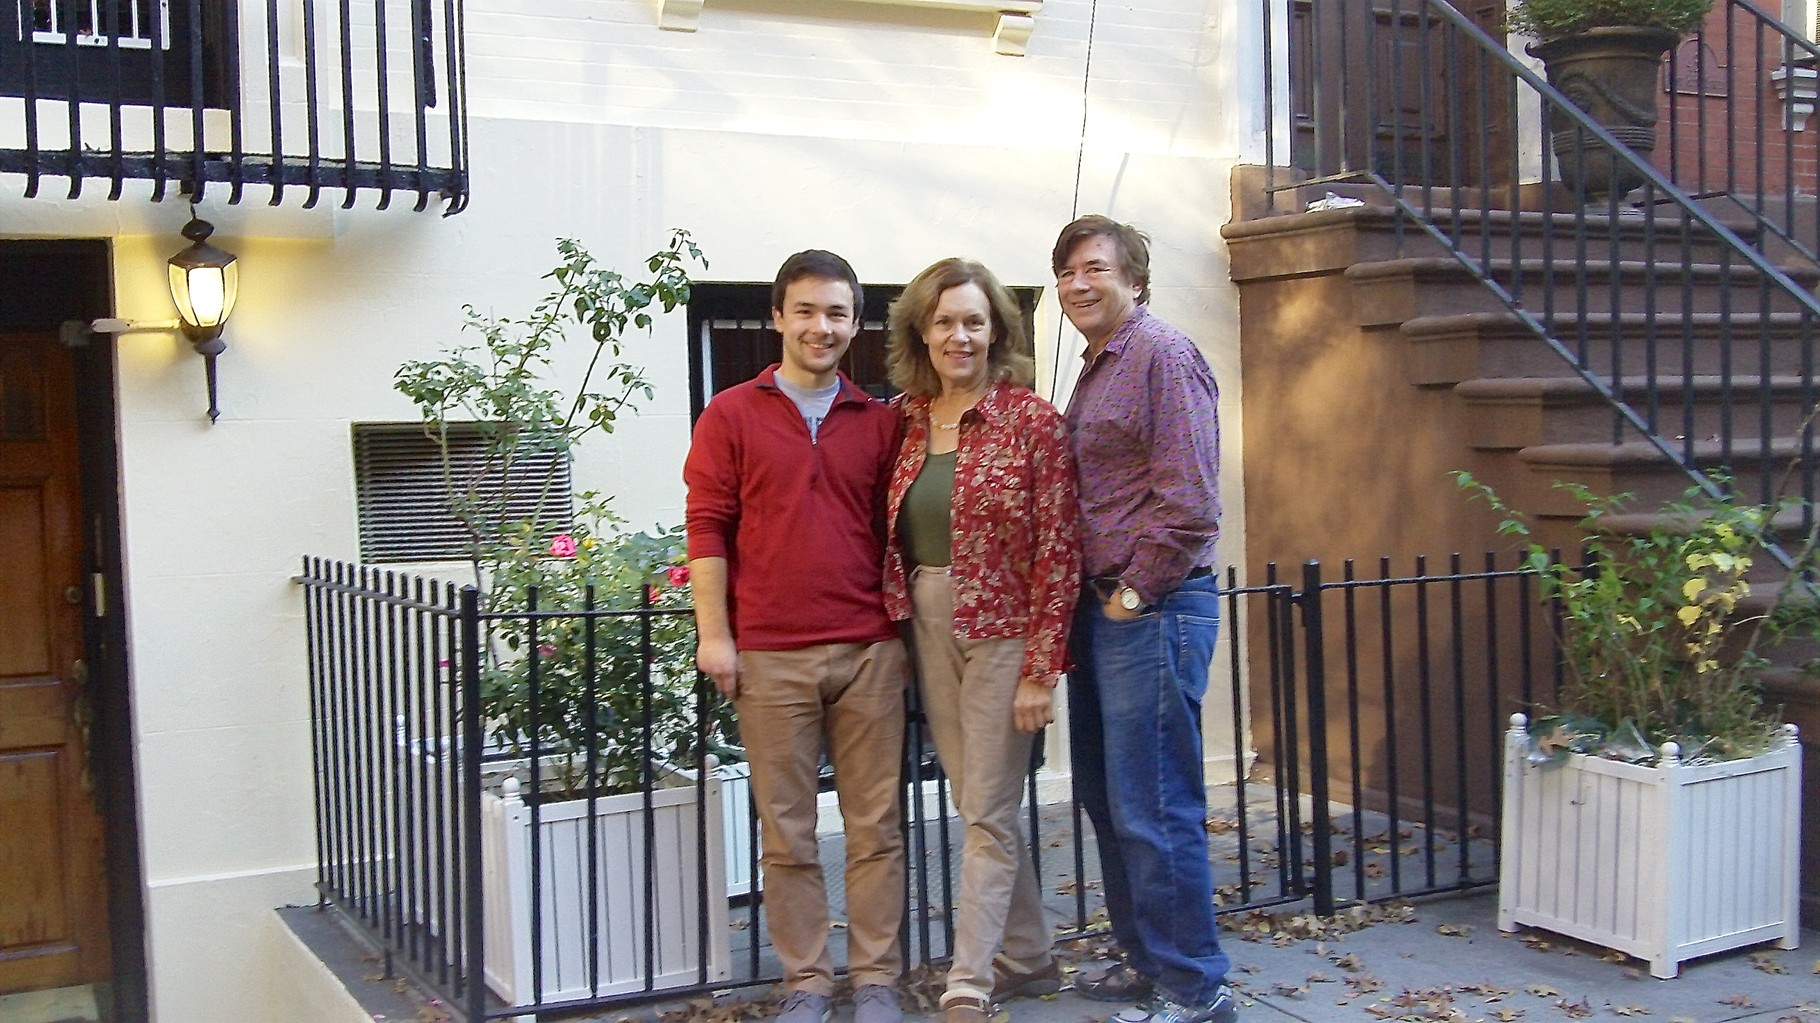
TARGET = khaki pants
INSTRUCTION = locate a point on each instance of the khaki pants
(852, 693)
(967, 688)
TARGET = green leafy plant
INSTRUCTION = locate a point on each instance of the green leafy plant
(1552, 19)
(610, 643)
(589, 655)
(1652, 644)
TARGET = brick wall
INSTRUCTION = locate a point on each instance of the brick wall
(1722, 124)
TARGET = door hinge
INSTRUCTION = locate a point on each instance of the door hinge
(98, 583)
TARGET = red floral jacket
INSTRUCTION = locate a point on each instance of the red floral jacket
(1016, 518)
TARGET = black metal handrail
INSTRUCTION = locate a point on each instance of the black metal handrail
(1669, 310)
(205, 94)
(1746, 175)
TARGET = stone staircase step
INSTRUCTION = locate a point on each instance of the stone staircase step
(1391, 292)
(1329, 239)
(1334, 239)
(1451, 349)
(1637, 468)
(1520, 412)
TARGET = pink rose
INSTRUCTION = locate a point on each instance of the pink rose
(679, 575)
(563, 546)
(547, 649)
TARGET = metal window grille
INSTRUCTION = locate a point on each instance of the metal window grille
(130, 22)
(402, 489)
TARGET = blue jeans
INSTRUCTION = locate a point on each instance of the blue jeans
(1134, 711)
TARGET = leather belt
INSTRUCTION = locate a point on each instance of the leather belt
(1104, 585)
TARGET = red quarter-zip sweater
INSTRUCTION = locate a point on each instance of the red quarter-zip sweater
(800, 523)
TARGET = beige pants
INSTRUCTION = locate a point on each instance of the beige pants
(852, 693)
(967, 688)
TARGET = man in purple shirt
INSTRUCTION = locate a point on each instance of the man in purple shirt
(1145, 429)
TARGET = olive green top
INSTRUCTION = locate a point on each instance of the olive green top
(923, 521)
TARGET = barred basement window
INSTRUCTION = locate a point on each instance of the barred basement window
(403, 501)
(731, 338)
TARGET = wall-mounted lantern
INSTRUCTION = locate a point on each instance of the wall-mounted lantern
(204, 283)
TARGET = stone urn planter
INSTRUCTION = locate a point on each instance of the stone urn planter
(1663, 862)
(1613, 74)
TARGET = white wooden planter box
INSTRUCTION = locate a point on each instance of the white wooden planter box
(1663, 863)
(736, 803)
(618, 895)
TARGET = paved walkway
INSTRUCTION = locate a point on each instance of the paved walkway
(1447, 961)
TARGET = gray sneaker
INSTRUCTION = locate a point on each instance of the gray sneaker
(876, 1003)
(1223, 1008)
(806, 1007)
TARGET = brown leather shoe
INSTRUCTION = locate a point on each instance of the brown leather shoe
(1010, 982)
(965, 1009)
(1119, 984)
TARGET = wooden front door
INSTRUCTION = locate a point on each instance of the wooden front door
(1391, 87)
(53, 886)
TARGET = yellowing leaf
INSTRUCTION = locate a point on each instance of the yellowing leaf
(1689, 614)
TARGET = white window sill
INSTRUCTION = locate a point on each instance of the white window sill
(1016, 18)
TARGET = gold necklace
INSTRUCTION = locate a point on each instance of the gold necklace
(975, 397)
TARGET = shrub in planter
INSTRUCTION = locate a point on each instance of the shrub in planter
(588, 684)
(1656, 811)
(1651, 647)
(589, 672)
(1604, 56)
(1553, 19)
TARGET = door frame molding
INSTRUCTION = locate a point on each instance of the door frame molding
(44, 282)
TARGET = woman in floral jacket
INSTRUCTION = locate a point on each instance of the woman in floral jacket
(984, 559)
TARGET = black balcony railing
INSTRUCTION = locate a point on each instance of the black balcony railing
(1359, 765)
(1678, 290)
(289, 97)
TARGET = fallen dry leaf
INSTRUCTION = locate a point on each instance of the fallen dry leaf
(1630, 1010)
(1575, 1010)
(1507, 1015)
(1543, 991)
(1739, 1001)
(1453, 930)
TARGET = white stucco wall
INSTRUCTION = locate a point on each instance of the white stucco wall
(893, 136)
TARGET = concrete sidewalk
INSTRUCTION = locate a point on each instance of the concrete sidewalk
(1448, 961)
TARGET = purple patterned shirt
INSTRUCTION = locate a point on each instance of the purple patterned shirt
(1145, 427)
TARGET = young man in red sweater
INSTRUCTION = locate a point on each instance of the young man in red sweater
(786, 477)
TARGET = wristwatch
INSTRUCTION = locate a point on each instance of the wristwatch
(1127, 597)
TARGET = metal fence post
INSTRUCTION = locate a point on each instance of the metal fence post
(468, 752)
(1314, 643)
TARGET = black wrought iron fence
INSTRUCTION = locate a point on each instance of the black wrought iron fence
(1681, 298)
(207, 94)
(1353, 757)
